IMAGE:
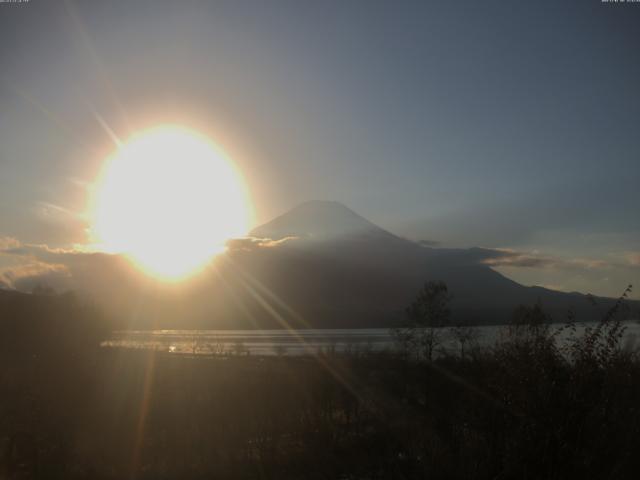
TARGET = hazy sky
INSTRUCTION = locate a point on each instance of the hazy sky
(492, 123)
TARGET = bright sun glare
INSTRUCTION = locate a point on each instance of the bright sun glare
(169, 199)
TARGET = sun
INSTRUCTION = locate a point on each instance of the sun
(168, 199)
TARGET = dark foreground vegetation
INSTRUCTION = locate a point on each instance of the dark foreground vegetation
(527, 408)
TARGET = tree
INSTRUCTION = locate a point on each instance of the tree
(530, 323)
(464, 335)
(426, 315)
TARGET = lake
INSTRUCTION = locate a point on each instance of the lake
(301, 342)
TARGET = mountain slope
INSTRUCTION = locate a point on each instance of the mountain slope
(340, 270)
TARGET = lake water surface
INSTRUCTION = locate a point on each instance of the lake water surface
(303, 342)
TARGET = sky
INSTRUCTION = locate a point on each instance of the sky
(505, 125)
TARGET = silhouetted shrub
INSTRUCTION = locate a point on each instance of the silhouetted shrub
(527, 407)
(426, 315)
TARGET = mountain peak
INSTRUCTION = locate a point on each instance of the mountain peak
(317, 219)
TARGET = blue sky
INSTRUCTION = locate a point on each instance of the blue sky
(500, 124)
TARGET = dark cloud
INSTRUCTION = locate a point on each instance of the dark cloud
(429, 243)
(25, 268)
(514, 258)
(26, 265)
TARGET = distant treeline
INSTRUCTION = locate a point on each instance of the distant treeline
(526, 408)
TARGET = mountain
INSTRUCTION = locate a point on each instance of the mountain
(333, 268)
